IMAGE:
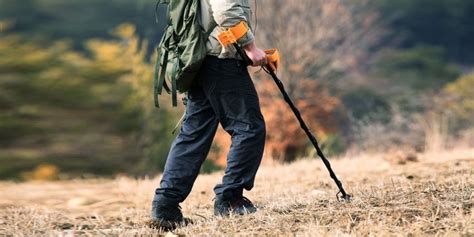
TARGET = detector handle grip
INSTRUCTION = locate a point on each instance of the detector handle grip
(235, 33)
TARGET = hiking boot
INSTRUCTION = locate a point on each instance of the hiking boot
(239, 206)
(167, 217)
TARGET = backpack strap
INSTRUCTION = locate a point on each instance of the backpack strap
(159, 75)
(155, 79)
(160, 82)
(161, 60)
(174, 94)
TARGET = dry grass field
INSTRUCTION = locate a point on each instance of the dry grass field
(430, 195)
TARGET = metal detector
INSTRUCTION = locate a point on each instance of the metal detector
(230, 37)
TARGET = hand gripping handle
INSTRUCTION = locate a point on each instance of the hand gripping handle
(233, 34)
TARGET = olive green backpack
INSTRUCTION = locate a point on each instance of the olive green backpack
(181, 50)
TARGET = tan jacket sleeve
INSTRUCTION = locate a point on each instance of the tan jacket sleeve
(228, 13)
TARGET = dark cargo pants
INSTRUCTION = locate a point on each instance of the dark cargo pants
(224, 93)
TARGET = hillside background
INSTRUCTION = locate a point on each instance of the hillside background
(369, 77)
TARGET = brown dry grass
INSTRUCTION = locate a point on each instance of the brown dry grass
(432, 196)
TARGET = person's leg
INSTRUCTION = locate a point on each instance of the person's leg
(235, 101)
(189, 150)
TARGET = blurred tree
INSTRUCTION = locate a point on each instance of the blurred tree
(420, 68)
(365, 104)
(80, 114)
(449, 115)
(285, 139)
(80, 20)
(458, 102)
(320, 41)
(406, 76)
(460, 97)
(442, 23)
(154, 131)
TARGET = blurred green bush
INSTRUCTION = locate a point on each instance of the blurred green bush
(82, 113)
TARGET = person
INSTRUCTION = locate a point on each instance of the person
(224, 93)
